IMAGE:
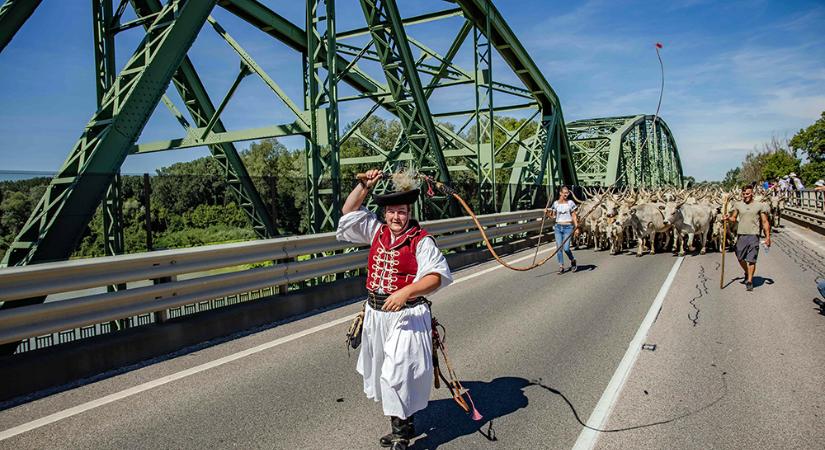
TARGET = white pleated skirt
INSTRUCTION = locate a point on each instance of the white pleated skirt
(396, 359)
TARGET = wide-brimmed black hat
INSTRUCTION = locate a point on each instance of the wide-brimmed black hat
(396, 198)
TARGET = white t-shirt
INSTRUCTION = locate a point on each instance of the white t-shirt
(564, 211)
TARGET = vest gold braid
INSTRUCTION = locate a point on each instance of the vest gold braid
(449, 191)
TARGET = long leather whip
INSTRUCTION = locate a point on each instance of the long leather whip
(446, 190)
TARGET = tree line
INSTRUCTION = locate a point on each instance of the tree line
(803, 154)
(190, 204)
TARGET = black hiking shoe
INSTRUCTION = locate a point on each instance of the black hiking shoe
(748, 286)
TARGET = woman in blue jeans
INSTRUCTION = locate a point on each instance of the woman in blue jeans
(567, 223)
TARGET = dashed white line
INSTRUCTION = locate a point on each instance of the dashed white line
(66, 413)
(598, 418)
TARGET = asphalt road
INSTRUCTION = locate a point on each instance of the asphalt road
(536, 349)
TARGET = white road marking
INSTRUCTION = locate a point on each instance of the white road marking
(598, 418)
(66, 413)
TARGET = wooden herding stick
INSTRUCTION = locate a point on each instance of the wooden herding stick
(724, 243)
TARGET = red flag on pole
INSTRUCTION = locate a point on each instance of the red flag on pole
(659, 45)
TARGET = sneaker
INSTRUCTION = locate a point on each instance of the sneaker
(748, 286)
(573, 266)
(561, 270)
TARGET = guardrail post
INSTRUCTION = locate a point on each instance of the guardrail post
(147, 192)
(163, 315)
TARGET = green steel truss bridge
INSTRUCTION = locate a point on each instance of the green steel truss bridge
(380, 64)
(635, 151)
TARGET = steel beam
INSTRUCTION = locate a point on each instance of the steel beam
(485, 129)
(56, 224)
(200, 107)
(625, 151)
(390, 41)
(193, 137)
(528, 172)
(321, 94)
(13, 14)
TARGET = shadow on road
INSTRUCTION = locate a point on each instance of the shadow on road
(443, 421)
(586, 267)
(580, 268)
(757, 281)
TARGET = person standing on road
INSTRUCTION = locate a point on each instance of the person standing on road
(567, 223)
(749, 214)
(404, 264)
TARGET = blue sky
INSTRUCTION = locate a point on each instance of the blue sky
(737, 73)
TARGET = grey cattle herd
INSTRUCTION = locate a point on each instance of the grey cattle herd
(671, 218)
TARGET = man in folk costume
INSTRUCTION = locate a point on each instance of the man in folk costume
(404, 264)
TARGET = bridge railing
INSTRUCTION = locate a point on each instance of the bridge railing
(807, 199)
(807, 207)
(197, 275)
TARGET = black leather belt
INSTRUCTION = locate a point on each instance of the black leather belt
(376, 301)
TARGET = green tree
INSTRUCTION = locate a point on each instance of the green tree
(778, 164)
(752, 167)
(812, 171)
(183, 186)
(14, 211)
(811, 140)
(732, 179)
(279, 176)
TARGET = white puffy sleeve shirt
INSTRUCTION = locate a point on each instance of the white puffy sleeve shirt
(359, 227)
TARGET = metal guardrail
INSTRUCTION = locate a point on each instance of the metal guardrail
(84, 310)
(807, 216)
(806, 199)
(806, 207)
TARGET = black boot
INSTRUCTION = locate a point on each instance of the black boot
(402, 431)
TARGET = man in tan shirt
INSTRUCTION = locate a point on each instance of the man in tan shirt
(749, 214)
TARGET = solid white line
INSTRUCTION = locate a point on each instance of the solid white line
(164, 380)
(66, 413)
(598, 418)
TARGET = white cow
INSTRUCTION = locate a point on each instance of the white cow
(691, 220)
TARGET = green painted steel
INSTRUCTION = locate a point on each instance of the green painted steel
(419, 133)
(105, 77)
(13, 14)
(57, 223)
(485, 129)
(321, 93)
(413, 72)
(635, 151)
(200, 107)
(548, 160)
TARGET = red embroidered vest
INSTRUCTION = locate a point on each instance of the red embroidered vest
(391, 266)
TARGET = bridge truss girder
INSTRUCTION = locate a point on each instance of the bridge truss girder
(634, 151)
(127, 101)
